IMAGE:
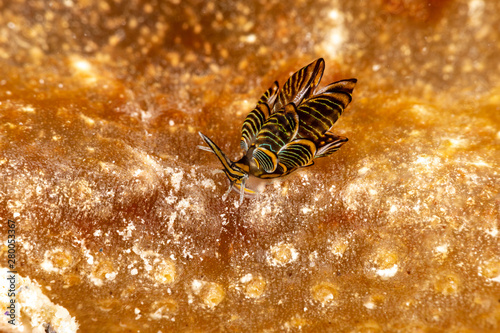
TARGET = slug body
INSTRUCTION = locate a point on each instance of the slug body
(288, 128)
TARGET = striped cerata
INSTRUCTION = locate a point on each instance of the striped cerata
(288, 129)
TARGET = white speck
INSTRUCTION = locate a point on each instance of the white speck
(171, 122)
(423, 160)
(369, 305)
(393, 209)
(82, 65)
(127, 233)
(137, 311)
(481, 163)
(98, 233)
(336, 38)
(250, 38)
(246, 278)
(196, 285)
(111, 276)
(175, 178)
(183, 204)
(493, 232)
(334, 14)
(363, 170)
(372, 191)
(171, 221)
(90, 259)
(137, 172)
(387, 273)
(476, 10)
(208, 183)
(306, 210)
(16, 215)
(28, 108)
(375, 67)
(496, 279)
(278, 248)
(442, 248)
(458, 142)
(339, 247)
(133, 271)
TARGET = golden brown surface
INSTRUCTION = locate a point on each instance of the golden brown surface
(120, 216)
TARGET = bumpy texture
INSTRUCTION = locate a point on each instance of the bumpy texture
(120, 220)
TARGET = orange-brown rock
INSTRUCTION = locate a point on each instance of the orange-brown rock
(120, 222)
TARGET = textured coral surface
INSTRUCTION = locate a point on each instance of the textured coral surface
(120, 217)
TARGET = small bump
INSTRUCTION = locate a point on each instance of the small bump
(165, 271)
(255, 286)
(325, 293)
(447, 283)
(282, 254)
(212, 294)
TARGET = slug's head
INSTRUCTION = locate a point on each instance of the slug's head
(236, 174)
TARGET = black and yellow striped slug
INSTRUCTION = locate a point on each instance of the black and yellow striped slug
(288, 129)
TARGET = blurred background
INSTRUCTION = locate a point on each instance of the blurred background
(120, 216)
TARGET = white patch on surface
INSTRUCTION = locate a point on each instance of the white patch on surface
(369, 305)
(36, 309)
(28, 108)
(47, 264)
(90, 258)
(89, 121)
(282, 249)
(82, 65)
(208, 183)
(306, 210)
(442, 248)
(493, 232)
(496, 279)
(363, 170)
(388, 272)
(127, 232)
(250, 39)
(175, 178)
(246, 278)
(146, 256)
(197, 285)
(476, 11)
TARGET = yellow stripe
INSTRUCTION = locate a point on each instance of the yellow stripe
(247, 190)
